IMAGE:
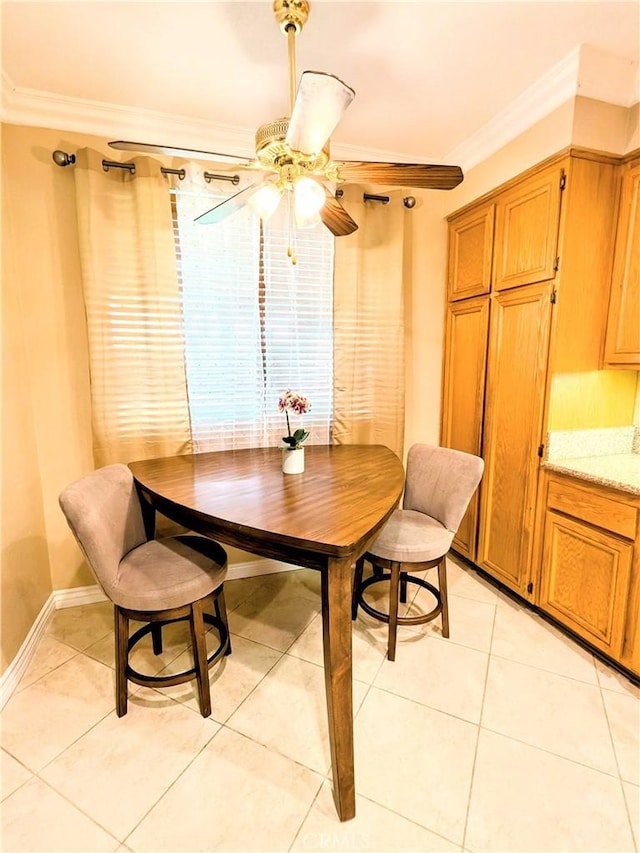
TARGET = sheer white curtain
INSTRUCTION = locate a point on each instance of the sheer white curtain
(134, 322)
(369, 323)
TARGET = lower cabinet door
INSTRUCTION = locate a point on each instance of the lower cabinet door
(585, 580)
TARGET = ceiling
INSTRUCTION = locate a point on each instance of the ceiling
(430, 77)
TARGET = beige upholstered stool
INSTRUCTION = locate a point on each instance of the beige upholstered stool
(155, 581)
(440, 482)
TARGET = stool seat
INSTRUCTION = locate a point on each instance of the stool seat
(411, 537)
(171, 572)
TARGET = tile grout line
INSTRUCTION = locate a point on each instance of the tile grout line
(491, 657)
(77, 807)
(479, 729)
(175, 780)
(635, 839)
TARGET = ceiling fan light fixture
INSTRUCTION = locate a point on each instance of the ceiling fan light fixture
(290, 149)
(308, 198)
(265, 201)
(306, 221)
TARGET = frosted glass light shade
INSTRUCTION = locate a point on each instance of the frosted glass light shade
(265, 200)
(309, 197)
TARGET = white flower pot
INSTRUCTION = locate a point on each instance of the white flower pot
(293, 460)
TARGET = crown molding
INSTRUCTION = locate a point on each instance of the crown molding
(551, 90)
(35, 108)
(585, 71)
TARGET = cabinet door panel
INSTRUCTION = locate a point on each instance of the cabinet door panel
(463, 395)
(585, 580)
(622, 344)
(470, 253)
(527, 222)
(518, 353)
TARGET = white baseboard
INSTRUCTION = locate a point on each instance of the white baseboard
(17, 668)
(254, 568)
(78, 595)
(74, 597)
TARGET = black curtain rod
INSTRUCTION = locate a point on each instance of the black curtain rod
(408, 201)
(61, 158)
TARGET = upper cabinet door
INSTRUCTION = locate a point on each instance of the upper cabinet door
(622, 342)
(470, 253)
(527, 223)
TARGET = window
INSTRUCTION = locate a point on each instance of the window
(254, 324)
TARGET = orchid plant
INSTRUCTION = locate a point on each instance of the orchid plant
(300, 405)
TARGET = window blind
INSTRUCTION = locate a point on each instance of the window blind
(255, 325)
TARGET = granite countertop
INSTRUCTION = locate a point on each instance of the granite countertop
(618, 470)
(610, 457)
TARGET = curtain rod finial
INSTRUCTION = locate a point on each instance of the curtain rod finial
(61, 158)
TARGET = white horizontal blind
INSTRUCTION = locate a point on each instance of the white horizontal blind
(254, 325)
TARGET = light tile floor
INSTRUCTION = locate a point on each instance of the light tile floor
(506, 737)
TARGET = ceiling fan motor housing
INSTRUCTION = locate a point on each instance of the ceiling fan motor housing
(291, 13)
(273, 152)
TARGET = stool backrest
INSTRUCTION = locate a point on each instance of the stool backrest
(440, 482)
(104, 514)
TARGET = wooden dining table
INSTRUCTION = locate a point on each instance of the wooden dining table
(323, 519)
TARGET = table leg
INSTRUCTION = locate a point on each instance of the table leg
(336, 634)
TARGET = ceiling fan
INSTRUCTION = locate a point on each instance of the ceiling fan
(293, 152)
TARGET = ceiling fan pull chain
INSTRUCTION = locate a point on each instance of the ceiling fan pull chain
(291, 248)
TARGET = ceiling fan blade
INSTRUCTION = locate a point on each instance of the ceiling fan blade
(145, 147)
(320, 102)
(420, 175)
(228, 206)
(336, 218)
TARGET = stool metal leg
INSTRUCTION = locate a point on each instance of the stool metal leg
(394, 595)
(156, 638)
(403, 587)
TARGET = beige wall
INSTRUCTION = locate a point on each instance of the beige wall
(25, 580)
(604, 127)
(46, 431)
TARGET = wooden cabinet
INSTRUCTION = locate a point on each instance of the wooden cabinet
(622, 341)
(466, 333)
(550, 258)
(515, 393)
(471, 253)
(526, 235)
(587, 560)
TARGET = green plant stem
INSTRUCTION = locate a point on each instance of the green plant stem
(288, 427)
